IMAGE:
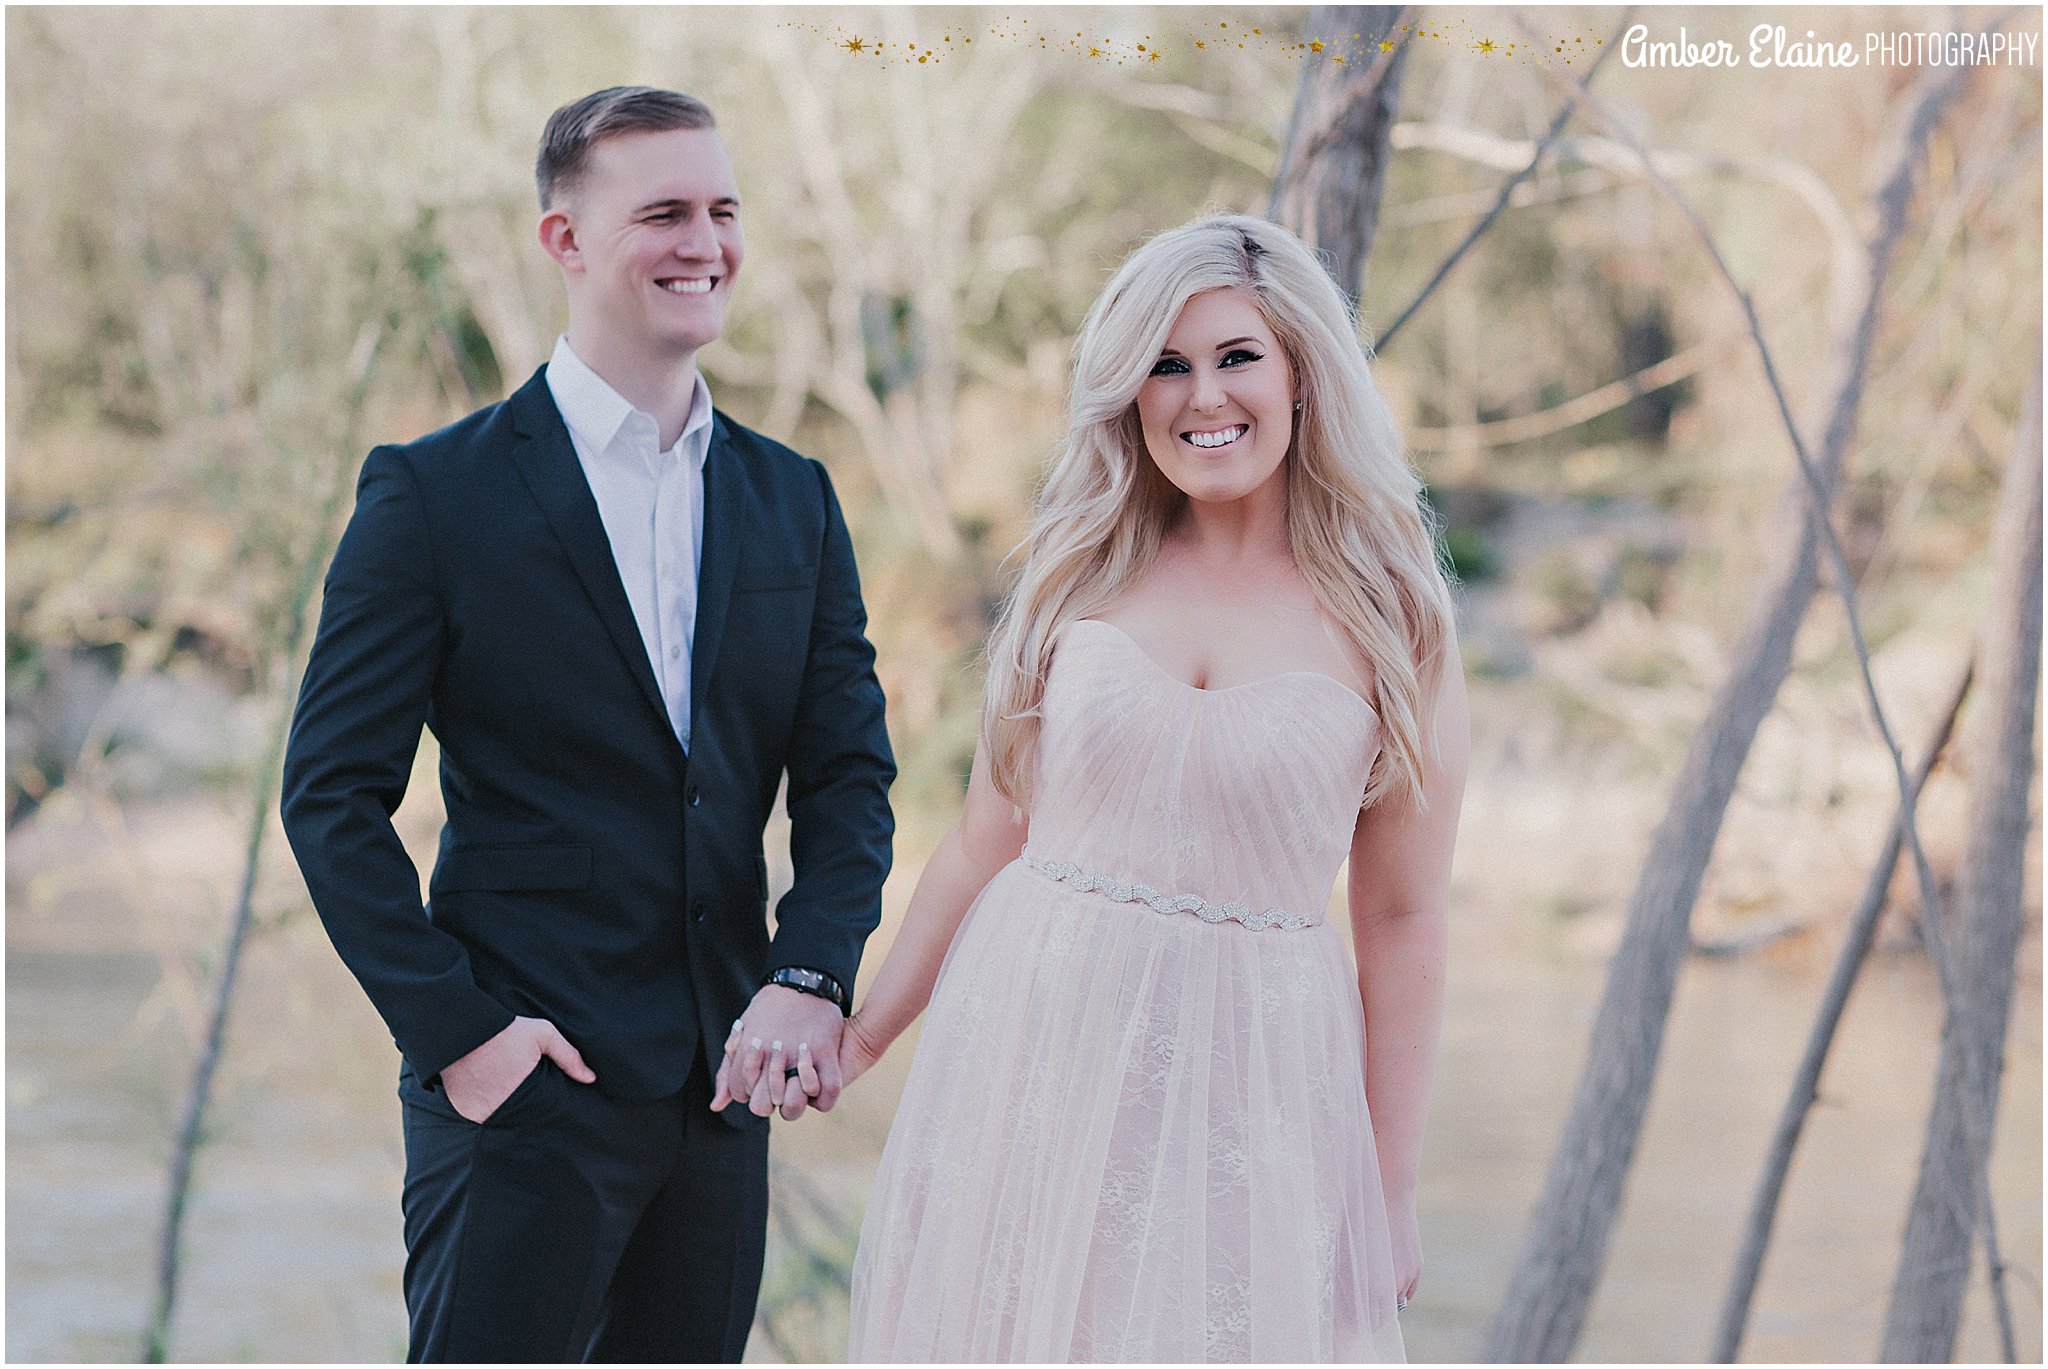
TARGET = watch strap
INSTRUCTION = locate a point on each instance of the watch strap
(814, 982)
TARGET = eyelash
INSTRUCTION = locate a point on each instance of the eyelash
(1159, 367)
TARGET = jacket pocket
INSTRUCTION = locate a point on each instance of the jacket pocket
(508, 869)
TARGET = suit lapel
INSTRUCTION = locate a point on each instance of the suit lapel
(546, 459)
(727, 494)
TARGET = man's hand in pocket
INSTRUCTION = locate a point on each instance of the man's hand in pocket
(480, 1082)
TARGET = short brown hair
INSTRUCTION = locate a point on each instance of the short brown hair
(582, 124)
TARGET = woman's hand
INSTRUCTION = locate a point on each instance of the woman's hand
(1407, 1241)
(858, 1052)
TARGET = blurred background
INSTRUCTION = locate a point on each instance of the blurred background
(244, 245)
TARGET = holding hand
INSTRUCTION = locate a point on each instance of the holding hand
(481, 1081)
(783, 1055)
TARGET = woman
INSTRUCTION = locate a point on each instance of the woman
(1156, 1114)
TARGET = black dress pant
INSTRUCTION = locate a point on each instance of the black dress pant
(569, 1226)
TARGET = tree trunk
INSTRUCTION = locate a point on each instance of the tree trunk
(1566, 1243)
(1333, 165)
(1983, 937)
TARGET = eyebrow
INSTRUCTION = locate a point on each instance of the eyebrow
(1233, 342)
(723, 201)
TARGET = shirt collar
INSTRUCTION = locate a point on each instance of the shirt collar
(595, 412)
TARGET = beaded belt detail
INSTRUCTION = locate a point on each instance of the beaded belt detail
(1271, 919)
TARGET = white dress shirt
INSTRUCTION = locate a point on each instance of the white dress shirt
(652, 504)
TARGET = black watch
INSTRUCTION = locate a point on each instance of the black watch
(814, 982)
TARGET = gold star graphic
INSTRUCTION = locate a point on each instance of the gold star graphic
(1152, 56)
(1386, 45)
(1315, 45)
(854, 45)
(1486, 46)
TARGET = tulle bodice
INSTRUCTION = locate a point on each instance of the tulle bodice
(1244, 795)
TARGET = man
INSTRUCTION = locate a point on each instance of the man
(625, 617)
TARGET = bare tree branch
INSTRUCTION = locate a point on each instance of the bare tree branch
(1982, 940)
(1973, 1091)
(156, 1341)
(1763, 1209)
(1565, 1247)
(1505, 194)
(1578, 409)
(1617, 158)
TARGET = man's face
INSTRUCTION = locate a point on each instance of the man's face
(655, 242)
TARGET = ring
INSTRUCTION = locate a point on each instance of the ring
(789, 1074)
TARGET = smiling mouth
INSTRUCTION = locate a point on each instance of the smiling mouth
(701, 285)
(1218, 437)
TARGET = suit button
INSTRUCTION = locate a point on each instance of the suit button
(696, 912)
(694, 796)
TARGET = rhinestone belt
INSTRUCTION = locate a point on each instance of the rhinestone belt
(1270, 920)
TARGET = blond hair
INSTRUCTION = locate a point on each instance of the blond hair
(1360, 533)
(579, 126)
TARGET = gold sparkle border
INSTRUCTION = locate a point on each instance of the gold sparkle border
(1215, 36)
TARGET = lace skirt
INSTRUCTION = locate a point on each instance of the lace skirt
(1129, 1136)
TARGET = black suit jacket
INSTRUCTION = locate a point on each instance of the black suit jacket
(590, 871)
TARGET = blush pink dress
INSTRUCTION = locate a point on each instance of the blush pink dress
(1136, 1128)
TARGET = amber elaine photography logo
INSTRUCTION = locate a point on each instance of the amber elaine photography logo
(1771, 45)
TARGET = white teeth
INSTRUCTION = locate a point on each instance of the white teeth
(1222, 438)
(688, 287)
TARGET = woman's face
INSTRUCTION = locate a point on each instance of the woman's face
(1218, 409)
